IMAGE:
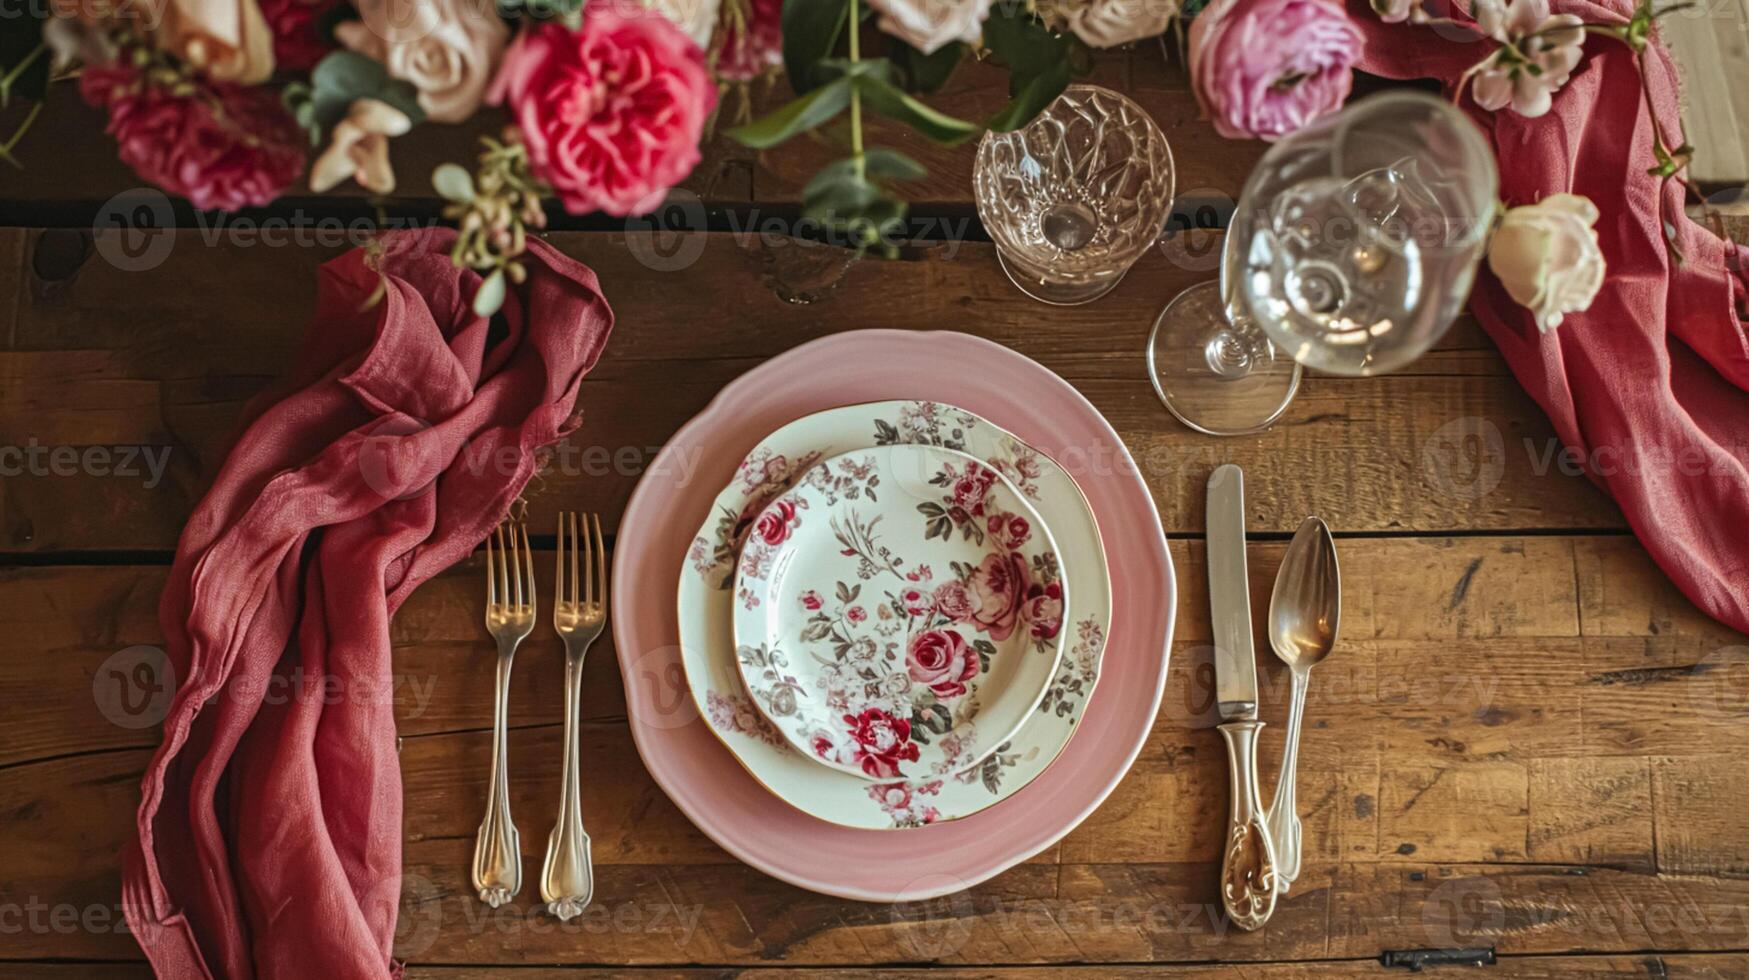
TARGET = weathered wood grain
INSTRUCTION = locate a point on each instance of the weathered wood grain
(1460, 734)
(165, 358)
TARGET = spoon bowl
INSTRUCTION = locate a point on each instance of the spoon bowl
(1306, 605)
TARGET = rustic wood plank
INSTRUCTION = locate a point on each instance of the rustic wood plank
(1447, 739)
(164, 358)
(68, 160)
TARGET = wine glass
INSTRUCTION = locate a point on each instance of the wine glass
(1074, 198)
(1352, 250)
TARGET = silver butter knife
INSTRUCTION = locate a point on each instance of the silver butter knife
(1248, 870)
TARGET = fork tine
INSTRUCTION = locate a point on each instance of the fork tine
(491, 574)
(504, 596)
(576, 582)
(527, 565)
(601, 568)
(588, 563)
(559, 571)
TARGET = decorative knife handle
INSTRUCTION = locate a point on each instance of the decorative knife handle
(497, 872)
(1248, 871)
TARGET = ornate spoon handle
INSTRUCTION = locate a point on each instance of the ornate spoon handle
(1248, 870)
(567, 880)
(1284, 817)
(497, 874)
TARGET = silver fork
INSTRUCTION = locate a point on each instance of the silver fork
(497, 875)
(567, 881)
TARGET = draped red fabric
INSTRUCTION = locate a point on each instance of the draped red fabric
(270, 829)
(1650, 386)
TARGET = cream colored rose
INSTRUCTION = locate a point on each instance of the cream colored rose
(698, 18)
(1547, 256)
(931, 24)
(359, 148)
(447, 49)
(226, 39)
(1109, 23)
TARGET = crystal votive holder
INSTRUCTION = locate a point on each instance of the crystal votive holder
(1076, 196)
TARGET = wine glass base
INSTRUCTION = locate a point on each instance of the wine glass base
(1059, 294)
(1216, 376)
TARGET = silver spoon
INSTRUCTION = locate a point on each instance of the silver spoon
(1303, 612)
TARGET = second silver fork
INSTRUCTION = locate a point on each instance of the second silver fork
(567, 880)
(497, 872)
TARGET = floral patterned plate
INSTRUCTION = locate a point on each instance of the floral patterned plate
(707, 602)
(899, 611)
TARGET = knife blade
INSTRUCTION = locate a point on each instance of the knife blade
(1230, 595)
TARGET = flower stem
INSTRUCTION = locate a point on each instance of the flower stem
(856, 97)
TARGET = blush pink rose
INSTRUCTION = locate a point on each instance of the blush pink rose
(1265, 68)
(222, 146)
(612, 113)
(942, 661)
(881, 742)
(999, 587)
(954, 601)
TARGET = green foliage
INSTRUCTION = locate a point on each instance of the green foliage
(1038, 63)
(336, 82)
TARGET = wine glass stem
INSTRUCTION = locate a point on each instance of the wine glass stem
(1234, 350)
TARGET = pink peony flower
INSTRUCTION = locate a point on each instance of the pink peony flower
(611, 114)
(222, 146)
(942, 660)
(298, 41)
(1264, 68)
(751, 44)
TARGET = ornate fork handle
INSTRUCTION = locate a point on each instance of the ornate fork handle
(568, 877)
(498, 849)
(1248, 877)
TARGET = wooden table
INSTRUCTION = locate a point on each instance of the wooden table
(1527, 742)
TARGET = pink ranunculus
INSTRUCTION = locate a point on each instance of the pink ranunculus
(954, 601)
(298, 41)
(753, 45)
(882, 742)
(1265, 68)
(942, 660)
(1044, 610)
(999, 586)
(223, 145)
(612, 113)
(774, 525)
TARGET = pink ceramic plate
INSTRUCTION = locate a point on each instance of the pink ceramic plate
(698, 772)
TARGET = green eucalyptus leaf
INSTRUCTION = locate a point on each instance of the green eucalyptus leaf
(1031, 98)
(348, 73)
(919, 72)
(811, 29)
(490, 298)
(800, 115)
(882, 162)
(889, 100)
(453, 183)
(1022, 42)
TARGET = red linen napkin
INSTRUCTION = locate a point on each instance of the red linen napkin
(1650, 386)
(270, 830)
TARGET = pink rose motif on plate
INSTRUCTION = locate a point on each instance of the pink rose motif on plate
(774, 525)
(999, 586)
(856, 614)
(972, 489)
(882, 742)
(901, 801)
(1044, 610)
(811, 601)
(917, 602)
(942, 660)
(954, 600)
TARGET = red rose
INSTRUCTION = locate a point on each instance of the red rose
(773, 526)
(953, 601)
(942, 660)
(1044, 610)
(611, 113)
(1000, 586)
(811, 600)
(882, 742)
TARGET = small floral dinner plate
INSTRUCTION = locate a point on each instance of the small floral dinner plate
(707, 602)
(899, 611)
